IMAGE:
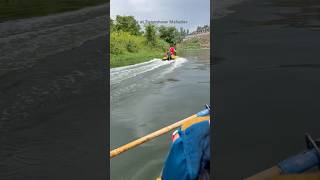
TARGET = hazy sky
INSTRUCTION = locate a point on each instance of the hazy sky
(195, 12)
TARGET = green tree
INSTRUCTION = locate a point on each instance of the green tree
(199, 28)
(150, 34)
(111, 25)
(127, 24)
(183, 33)
(169, 34)
(177, 37)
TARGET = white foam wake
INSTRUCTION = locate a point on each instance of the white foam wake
(122, 73)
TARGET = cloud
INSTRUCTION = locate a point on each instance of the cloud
(142, 6)
(138, 1)
(196, 12)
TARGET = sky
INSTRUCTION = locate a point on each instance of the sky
(194, 12)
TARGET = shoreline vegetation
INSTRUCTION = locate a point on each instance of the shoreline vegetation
(14, 10)
(130, 44)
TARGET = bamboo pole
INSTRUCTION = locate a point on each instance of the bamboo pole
(149, 137)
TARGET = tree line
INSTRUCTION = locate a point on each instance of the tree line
(202, 29)
(151, 32)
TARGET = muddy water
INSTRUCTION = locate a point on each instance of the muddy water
(148, 96)
(51, 119)
(266, 84)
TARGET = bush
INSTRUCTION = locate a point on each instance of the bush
(115, 44)
(169, 34)
(122, 42)
(132, 46)
(127, 24)
(150, 34)
(193, 43)
(161, 44)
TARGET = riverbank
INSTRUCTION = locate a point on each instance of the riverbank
(147, 55)
(266, 84)
(134, 58)
(127, 49)
(197, 41)
(125, 59)
(130, 43)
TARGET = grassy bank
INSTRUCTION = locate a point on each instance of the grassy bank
(133, 58)
(199, 41)
(17, 9)
(189, 44)
(130, 44)
(127, 49)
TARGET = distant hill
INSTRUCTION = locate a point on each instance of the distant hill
(201, 35)
(203, 39)
(201, 30)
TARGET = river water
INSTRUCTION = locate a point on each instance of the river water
(223, 7)
(53, 124)
(147, 97)
(266, 84)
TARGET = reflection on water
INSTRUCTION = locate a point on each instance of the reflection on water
(295, 13)
(202, 56)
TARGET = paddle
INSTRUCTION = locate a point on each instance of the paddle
(160, 132)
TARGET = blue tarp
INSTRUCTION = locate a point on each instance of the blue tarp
(189, 154)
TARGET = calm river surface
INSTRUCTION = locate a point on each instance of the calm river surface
(147, 97)
(53, 124)
(266, 84)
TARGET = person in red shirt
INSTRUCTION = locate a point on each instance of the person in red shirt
(172, 50)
